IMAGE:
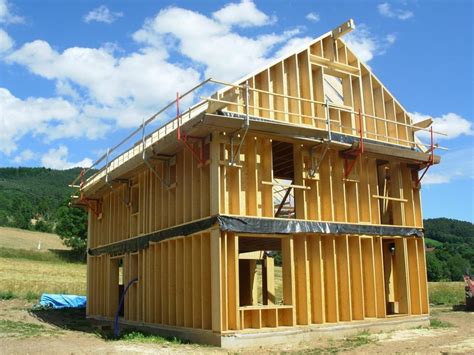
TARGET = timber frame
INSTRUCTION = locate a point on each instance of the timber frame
(305, 172)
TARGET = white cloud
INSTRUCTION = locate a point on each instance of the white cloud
(58, 159)
(6, 16)
(313, 17)
(100, 89)
(226, 55)
(6, 43)
(111, 82)
(243, 14)
(451, 169)
(385, 9)
(292, 45)
(19, 117)
(450, 124)
(24, 156)
(366, 45)
(102, 14)
(391, 38)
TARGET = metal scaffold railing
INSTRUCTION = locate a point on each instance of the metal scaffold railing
(245, 102)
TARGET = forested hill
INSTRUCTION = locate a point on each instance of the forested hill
(27, 193)
(453, 241)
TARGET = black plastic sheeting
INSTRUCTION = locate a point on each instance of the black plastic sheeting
(280, 226)
(142, 242)
(252, 225)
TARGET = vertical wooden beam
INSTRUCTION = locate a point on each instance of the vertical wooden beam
(188, 281)
(164, 283)
(215, 192)
(216, 281)
(317, 279)
(303, 302)
(368, 269)
(288, 274)
(158, 289)
(180, 261)
(206, 281)
(357, 285)
(299, 194)
(196, 281)
(330, 279)
(422, 276)
(413, 275)
(267, 175)
(232, 256)
(343, 278)
(379, 278)
(401, 265)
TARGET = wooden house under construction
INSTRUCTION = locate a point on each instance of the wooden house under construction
(286, 203)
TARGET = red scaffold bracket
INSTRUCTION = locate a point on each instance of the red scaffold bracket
(94, 205)
(183, 137)
(354, 153)
(430, 159)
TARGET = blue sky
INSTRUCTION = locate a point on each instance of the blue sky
(77, 76)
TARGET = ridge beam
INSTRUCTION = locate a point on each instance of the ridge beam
(343, 29)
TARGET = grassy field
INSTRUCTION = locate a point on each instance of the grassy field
(446, 293)
(26, 272)
(29, 240)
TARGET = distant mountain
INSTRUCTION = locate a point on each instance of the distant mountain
(33, 193)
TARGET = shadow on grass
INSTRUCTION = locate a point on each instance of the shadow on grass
(68, 319)
(462, 308)
(69, 256)
(75, 319)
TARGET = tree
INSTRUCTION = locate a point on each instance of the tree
(435, 268)
(72, 228)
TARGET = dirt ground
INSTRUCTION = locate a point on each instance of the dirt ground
(25, 331)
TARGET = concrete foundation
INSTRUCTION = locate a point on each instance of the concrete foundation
(271, 337)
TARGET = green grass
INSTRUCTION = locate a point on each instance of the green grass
(7, 295)
(446, 293)
(139, 337)
(432, 243)
(57, 256)
(22, 329)
(28, 279)
(436, 323)
(347, 344)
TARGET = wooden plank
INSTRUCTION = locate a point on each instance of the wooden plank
(401, 265)
(357, 286)
(422, 276)
(180, 281)
(303, 303)
(164, 283)
(196, 281)
(206, 281)
(288, 274)
(216, 281)
(368, 271)
(413, 275)
(379, 278)
(158, 276)
(343, 278)
(188, 282)
(316, 261)
(330, 279)
(232, 256)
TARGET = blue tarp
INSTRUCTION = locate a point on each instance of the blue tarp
(62, 301)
